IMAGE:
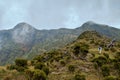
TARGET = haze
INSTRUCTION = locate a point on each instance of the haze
(53, 14)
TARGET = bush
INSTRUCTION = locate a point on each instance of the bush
(11, 67)
(106, 55)
(46, 70)
(39, 65)
(76, 50)
(20, 68)
(105, 70)
(71, 68)
(29, 74)
(62, 62)
(7, 78)
(39, 75)
(79, 77)
(21, 62)
(100, 60)
(110, 78)
(106, 49)
(113, 49)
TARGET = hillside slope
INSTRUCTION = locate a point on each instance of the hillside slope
(26, 41)
(79, 60)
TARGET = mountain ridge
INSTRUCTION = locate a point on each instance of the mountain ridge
(31, 41)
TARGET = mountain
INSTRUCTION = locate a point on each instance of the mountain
(79, 60)
(26, 41)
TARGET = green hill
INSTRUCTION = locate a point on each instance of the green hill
(79, 60)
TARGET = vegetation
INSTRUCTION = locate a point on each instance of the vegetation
(69, 63)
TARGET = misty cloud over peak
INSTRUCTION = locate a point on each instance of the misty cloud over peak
(52, 14)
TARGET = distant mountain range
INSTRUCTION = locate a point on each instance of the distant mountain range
(26, 41)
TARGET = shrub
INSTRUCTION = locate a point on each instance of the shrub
(79, 77)
(113, 49)
(46, 70)
(38, 58)
(71, 68)
(100, 60)
(39, 65)
(106, 49)
(76, 50)
(21, 62)
(62, 62)
(11, 67)
(105, 70)
(39, 75)
(106, 55)
(110, 78)
(20, 68)
(29, 74)
(7, 78)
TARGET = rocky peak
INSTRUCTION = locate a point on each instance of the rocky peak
(23, 33)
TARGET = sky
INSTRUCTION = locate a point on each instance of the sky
(54, 14)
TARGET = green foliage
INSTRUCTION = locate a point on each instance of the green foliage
(62, 62)
(105, 70)
(106, 55)
(76, 50)
(46, 70)
(113, 49)
(71, 68)
(83, 49)
(39, 65)
(35, 74)
(21, 62)
(39, 75)
(79, 77)
(110, 78)
(101, 60)
(11, 67)
(29, 74)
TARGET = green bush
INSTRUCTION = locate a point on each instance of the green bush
(11, 67)
(29, 74)
(20, 68)
(39, 65)
(101, 60)
(21, 62)
(76, 50)
(110, 78)
(71, 68)
(39, 75)
(113, 49)
(106, 55)
(62, 62)
(105, 70)
(79, 77)
(46, 70)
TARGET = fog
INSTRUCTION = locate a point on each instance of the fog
(53, 14)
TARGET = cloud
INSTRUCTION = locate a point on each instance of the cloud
(47, 14)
